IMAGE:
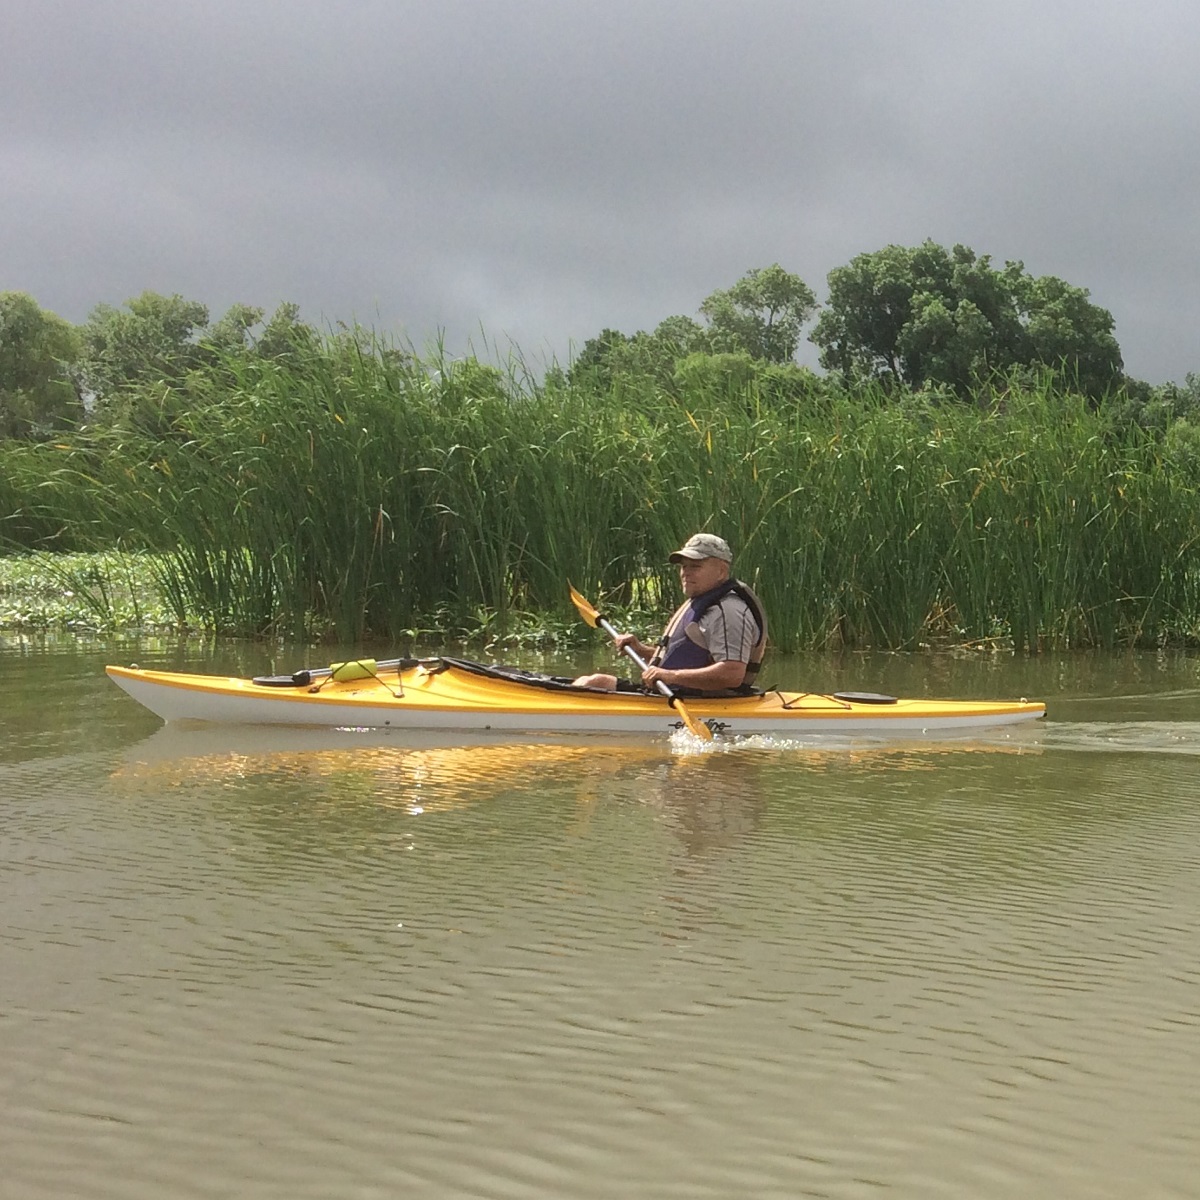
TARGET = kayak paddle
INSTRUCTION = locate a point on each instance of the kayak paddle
(595, 620)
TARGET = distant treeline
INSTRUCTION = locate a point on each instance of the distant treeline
(972, 479)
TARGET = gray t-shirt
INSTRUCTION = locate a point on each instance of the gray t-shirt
(728, 629)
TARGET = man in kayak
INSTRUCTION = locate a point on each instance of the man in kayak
(714, 644)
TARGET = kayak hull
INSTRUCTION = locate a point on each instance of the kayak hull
(441, 697)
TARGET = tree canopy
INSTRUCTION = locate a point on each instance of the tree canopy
(613, 355)
(918, 318)
(127, 354)
(153, 337)
(760, 317)
(762, 314)
(925, 314)
(37, 348)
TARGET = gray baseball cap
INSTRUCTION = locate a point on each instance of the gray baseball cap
(704, 545)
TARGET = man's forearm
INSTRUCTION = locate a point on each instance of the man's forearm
(714, 678)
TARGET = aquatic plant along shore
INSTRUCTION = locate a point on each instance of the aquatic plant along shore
(353, 490)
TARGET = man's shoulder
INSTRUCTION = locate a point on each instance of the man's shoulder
(739, 598)
(732, 600)
(730, 629)
(725, 607)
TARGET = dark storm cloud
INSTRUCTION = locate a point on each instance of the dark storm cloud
(542, 170)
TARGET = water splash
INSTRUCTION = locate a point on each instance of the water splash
(1125, 737)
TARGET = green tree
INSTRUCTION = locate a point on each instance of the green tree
(231, 334)
(37, 348)
(596, 363)
(1158, 407)
(1065, 329)
(153, 338)
(612, 355)
(715, 374)
(759, 317)
(762, 314)
(927, 315)
(675, 337)
(133, 357)
(284, 335)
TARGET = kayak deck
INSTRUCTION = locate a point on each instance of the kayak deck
(452, 694)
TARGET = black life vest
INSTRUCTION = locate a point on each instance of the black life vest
(682, 647)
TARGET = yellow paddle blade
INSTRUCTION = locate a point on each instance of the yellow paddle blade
(696, 728)
(592, 617)
(586, 611)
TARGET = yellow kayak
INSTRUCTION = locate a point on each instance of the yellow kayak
(455, 694)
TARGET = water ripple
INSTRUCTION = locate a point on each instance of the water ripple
(768, 970)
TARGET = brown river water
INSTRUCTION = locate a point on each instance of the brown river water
(277, 964)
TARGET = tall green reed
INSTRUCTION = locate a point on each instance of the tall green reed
(47, 500)
(361, 490)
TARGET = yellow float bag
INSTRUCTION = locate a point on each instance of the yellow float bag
(359, 668)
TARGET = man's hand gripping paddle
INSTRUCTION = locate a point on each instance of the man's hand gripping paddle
(596, 621)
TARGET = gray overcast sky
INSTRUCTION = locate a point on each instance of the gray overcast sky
(542, 169)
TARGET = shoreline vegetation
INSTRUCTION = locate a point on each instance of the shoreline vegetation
(305, 486)
(122, 592)
(353, 494)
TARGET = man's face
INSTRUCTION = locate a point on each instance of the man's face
(697, 576)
